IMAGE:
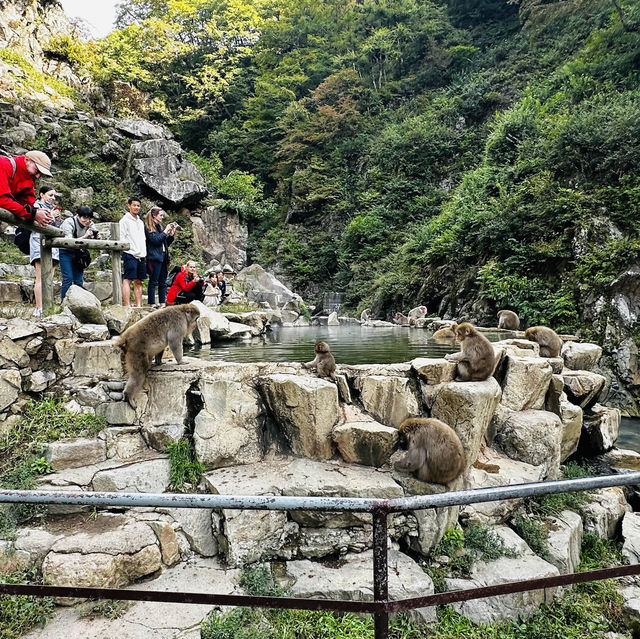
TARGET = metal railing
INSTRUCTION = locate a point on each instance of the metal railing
(380, 509)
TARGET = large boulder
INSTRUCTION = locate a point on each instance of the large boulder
(465, 406)
(564, 540)
(160, 166)
(631, 536)
(582, 387)
(526, 381)
(388, 399)
(602, 515)
(580, 356)
(222, 235)
(10, 387)
(434, 370)
(600, 428)
(228, 430)
(84, 305)
(98, 359)
(255, 278)
(532, 436)
(306, 410)
(365, 442)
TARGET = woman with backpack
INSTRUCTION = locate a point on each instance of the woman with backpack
(46, 200)
(80, 226)
(187, 286)
(158, 242)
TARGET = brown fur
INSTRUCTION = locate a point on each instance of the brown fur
(508, 320)
(324, 363)
(435, 453)
(550, 343)
(401, 320)
(449, 332)
(476, 359)
(148, 338)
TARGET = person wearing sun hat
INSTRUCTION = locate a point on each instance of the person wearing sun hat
(17, 185)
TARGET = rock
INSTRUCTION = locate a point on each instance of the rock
(102, 289)
(255, 278)
(532, 436)
(168, 541)
(333, 320)
(222, 235)
(368, 443)
(150, 476)
(12, 354)
(10, 292)
(434, 371)
(41, 380)
(564, 540)
(306, 409)
(141, 128)
(124, 443)
(631, 536)
(519, 605)
(12, 560)
(117, 413)
(65, 350)
(525, 384)
(582, 387)
(604, 512)
(465, 406)
(10, 386)
(81, 196)
(600, 428)
(579, 356)
(75, 452)
(351, 579)
(390, 400)
(319, 542)
(239, 331)
(84, 305)
(505, 472)
(229, 429)
(98, 359)
(195, 524)
(571, 425)
(161, 167)
(58, 327)
(120, 318)
(19, 329)
(93, 332)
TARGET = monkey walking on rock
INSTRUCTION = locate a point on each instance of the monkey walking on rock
(324, 362)
(435, 453)
(148, 338)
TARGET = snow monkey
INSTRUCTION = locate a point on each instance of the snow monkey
(476, 359)
(365, 316)
(550, 343)
(508, 320)
(434, 454)
(324, 363)
(148, 338)
(448, 332)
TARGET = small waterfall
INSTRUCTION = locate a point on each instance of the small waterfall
(332, 302)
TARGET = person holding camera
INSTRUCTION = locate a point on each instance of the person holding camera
(158, 242)
(187, 287)
(80, 226)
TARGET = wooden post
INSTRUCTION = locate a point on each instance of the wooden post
(116, 267)
(46, 272)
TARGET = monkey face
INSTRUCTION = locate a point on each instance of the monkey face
(321, 347)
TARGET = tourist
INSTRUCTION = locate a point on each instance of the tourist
(187, 286)
(212, 292)
(80, 226)
(17, 185)
(222, 285)
(46, 201)
(134, 264)
(158, 242)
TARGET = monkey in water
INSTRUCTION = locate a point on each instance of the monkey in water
(448, 332)
(148, 338)
(435, 453)
(550, 343)
(324, 363)
(476, 359)
(508, 320)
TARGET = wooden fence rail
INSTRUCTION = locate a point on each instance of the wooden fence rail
(53, 237)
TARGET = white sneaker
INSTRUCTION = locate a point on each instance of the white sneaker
(37, 312)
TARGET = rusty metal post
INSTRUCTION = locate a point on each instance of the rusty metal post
(380, 572)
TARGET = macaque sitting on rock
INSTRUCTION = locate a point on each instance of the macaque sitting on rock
(476, 359)
(434, 454)
(401, 320)
(448, 332)
(148, 338)
(550, 343)
(324, 363)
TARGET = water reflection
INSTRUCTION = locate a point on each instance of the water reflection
(629, 436)
(349, 345)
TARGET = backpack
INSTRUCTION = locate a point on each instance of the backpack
(171, 275)
(22, 236)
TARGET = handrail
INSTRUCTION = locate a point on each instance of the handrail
(381, 606)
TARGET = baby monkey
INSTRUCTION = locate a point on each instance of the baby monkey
(435, 453)
(324, 363)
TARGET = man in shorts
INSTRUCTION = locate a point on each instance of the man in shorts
(134, 261)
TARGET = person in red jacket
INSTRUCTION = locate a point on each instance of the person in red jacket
(187, 286)
(17, 185)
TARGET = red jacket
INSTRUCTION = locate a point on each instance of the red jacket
(17, 191)
(179, 284)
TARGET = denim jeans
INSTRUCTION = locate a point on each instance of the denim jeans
(157, 278)
(70, 274)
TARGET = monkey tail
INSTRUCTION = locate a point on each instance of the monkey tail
(121, 343)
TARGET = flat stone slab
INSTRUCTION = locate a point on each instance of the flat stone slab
(150, 619)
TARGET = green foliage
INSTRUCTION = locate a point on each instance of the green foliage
(185, 468)
(597, 553)
(10, 253)
(19, 613)
(107, 608)
(533, 532)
